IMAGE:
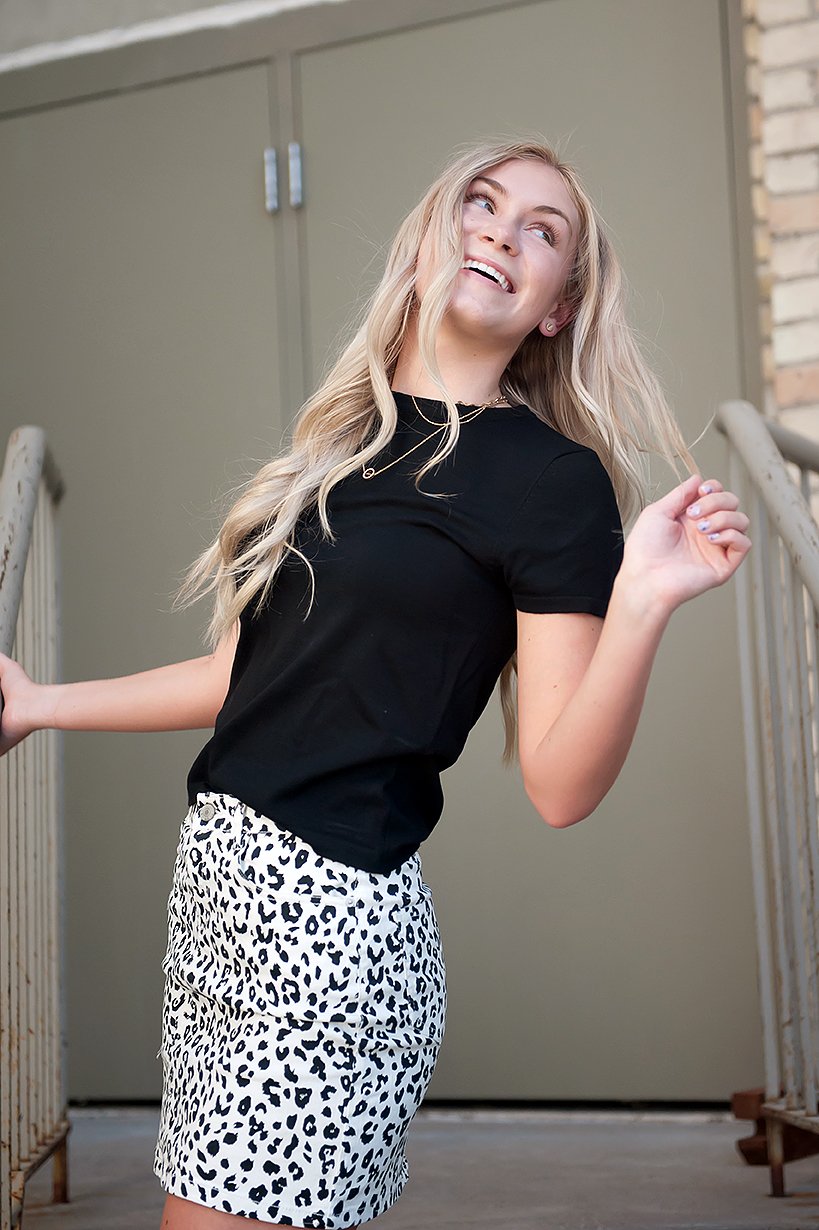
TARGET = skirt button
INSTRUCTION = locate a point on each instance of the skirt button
(206, 811)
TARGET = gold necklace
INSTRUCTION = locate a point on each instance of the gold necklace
(369, 472)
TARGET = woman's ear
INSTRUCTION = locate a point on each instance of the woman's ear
(557, 318)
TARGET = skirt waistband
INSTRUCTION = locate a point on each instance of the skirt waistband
(216, 816)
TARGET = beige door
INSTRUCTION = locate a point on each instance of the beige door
(616, 959)
(140, 328)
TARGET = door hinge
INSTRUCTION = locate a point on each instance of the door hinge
(271, 181)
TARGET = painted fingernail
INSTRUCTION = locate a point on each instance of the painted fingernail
(707, 489)
(713, 537)
(694, 510)
(704, 525)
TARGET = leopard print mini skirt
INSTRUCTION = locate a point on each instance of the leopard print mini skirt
(303, 1012)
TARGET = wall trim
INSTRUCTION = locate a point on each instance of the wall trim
(736, 118)
(218, 17)
(165, 52)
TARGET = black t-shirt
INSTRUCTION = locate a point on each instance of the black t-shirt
(338, 726)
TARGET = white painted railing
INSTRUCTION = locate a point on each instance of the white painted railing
(778, 612)
(33, 1116)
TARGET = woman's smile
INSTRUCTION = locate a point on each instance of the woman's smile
(489, 272)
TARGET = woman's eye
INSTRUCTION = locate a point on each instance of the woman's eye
(548, 234)
(478, 197)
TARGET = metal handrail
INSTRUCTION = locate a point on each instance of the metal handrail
(753, 438)
(33, 1109)
(793, 447)
(778, 625)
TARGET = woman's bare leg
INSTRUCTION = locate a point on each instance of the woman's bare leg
(180, 1214)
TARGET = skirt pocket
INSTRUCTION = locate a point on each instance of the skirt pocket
(256, 928)
(403, 991)
(297, 956)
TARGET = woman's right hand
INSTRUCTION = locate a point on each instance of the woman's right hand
(19, 695)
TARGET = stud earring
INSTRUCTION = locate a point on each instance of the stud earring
(550, 326)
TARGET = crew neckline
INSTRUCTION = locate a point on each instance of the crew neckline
(431, 402)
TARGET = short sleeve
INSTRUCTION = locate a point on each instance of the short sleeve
(563, 546)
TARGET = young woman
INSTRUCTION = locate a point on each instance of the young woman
(447, 515)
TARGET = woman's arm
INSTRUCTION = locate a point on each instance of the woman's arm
(582, 680)
(181, 696)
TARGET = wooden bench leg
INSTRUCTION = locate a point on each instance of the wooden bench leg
(776, 1156)
(59, 1175)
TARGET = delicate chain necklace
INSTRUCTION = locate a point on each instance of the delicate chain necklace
(369, 472)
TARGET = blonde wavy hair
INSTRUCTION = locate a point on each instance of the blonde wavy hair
(590, 382)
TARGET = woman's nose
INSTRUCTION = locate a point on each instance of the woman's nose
(499, 233)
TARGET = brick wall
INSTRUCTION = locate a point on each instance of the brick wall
(782, 48)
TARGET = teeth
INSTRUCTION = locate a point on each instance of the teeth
(493, 274)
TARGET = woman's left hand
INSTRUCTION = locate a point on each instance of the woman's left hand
(691, 540)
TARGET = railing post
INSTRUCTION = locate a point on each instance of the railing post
(747, 589)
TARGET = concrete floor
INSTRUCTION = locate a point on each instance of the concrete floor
(522, 1170)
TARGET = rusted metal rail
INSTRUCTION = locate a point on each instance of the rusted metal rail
(777, 605)
(33, 1115)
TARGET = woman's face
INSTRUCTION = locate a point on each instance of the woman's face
(520, 224)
